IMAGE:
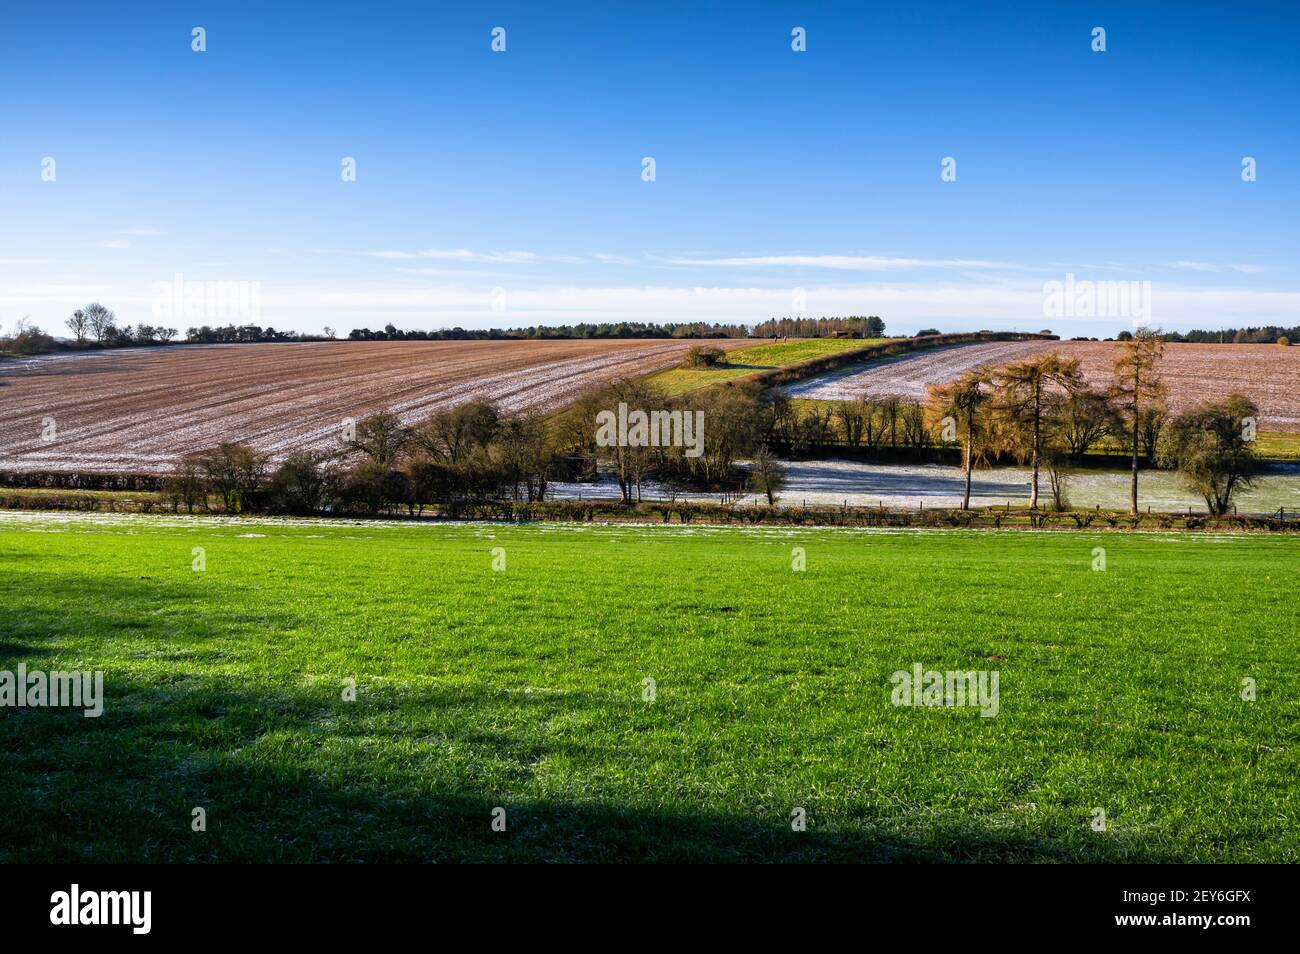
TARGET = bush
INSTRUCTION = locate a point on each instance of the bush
(301, 485)
(704, 356)
(27, 339)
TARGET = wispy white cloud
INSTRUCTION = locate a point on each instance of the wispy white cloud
(1215, 267)
(114, 243)
(964, 303)
(855, 263)
(457, 255)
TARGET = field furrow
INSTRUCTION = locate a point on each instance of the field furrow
(1268, 374)
(141, 409)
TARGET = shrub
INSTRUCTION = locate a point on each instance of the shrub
(704, 356)
(301, 485)
(27, 339)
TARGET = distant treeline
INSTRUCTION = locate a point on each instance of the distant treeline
(773, 328)
(247, 334)
(1269, 334)
(95, 326)
(619, 329)
(854, 326)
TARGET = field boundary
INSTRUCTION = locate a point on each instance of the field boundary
(700, 513)
(886, 349)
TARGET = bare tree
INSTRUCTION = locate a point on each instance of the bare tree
(1085, 418)
(231, 471)
(522, 453)
(184, 485)
(1029, 396)
(1138, 386)
(77, 324)
(852, 418)
(381, 438)
(915, 433)
(766, 475)
(451, 436)
(963, 404)
(99, 320)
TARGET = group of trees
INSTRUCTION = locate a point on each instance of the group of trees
(854, 326)
(247, 334)
(98, 323)
(705, 434)
(870, 423)
(1269, 334)
(1043, 413)
(474, 452)
(872, 327)
(26, 339)
(617, 329)
(95, 324)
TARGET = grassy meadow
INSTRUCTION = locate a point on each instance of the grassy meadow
(746, 361)
(524, 688)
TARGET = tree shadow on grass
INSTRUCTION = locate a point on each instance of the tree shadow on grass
(286, 770)
(301, 776)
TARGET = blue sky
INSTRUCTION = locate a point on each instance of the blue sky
(498, 189)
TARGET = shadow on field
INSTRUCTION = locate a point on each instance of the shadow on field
(305, 777)
(287, 771)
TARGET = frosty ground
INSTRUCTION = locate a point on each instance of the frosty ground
(824, 483)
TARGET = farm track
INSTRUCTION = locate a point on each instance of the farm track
(1268, 374)
(140, 409)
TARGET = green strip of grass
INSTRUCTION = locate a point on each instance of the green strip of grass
(746, 361)
(524, 689)
(1278, 445)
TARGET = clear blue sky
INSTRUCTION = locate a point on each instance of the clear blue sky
(521, 172)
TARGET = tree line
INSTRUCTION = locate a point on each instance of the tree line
(854, 326)
(475, 452)
(582, 330)
(1043, 413)
(96, 325)
(1268, 334)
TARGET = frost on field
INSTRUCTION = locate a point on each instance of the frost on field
(140, 409)
(1267, 374)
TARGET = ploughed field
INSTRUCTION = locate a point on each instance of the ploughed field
(525, 688)
(139, 410)
(1269, 374)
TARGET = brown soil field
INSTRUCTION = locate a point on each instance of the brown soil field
(1268, 374)
(138, 410)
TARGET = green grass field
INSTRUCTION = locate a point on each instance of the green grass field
(1279, 445)
(524, 689)
(746, 361)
